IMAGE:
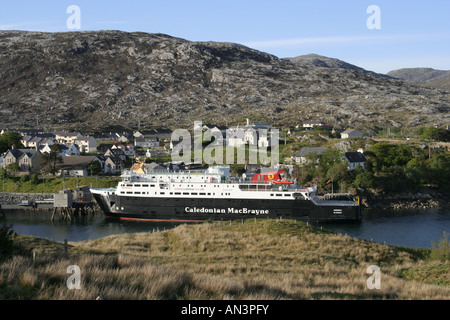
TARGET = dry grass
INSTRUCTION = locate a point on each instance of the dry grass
(263, 260)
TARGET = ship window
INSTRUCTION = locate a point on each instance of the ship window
(129, 192)
(129, 185)
(137, 192)
(137, 185)
(145, 185)
(122, 192)
(287, 195)
(209, 193)
(177, 193)
(186, 193)
(202, 194)
(194, 193)
(152, 185)
(171, 193)
(279, 195)
(161, 193)
(271, 194)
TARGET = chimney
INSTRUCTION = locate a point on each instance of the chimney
(248, 121)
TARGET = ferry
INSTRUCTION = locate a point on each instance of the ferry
(212, 194)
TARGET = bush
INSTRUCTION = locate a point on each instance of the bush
(442, 251)
(6, 242)
(24, 178)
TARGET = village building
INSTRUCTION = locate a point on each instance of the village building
(300, 156)
(76, 166)
(28, 160)
(354, 159)
(351, 133)
(128, 149)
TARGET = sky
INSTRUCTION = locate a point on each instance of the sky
(378, 35)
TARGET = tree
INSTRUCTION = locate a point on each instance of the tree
(6, 241)
(384, 155)
(50, 160)
(94, 167)
(364, 180)
(8, 139)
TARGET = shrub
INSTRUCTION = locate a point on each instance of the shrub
(441, 251)
(6, 242)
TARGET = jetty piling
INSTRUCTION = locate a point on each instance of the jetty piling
(69, 204)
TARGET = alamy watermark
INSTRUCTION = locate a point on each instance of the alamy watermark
(74, 281)
(254, 142)
(374, 281)
(73, 22)
(374, 20)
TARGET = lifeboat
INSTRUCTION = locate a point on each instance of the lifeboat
(282, 182)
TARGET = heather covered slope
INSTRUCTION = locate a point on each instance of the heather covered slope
(93, 80)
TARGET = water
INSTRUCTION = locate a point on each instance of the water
(413, 230)
(90, 227)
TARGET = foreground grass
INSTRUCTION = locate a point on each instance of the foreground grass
(262, 259)
(55, 184)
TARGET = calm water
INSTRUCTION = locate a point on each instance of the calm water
(416, 230)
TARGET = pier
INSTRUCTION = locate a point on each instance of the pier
(67, 203)
(73, 204)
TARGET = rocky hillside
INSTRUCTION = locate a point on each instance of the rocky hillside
(315, 60)
(97, 80)
(424, 76)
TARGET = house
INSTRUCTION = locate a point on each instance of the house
(351, 133)
(28, 160)
(146, 142)
(113, 164)
(301, 155)
(86, 144)
(235, 137)
(66, 137)
(354, 159)
(151, 153)
(71, 150)
(76, 166)
(311, 124)
(128, 149)
(116, 152)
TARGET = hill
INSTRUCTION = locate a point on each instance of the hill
(424, 76)
(315, 60)
(98, 80)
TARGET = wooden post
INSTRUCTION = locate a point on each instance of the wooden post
(66, 249)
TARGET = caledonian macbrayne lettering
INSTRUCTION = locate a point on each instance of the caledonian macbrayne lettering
(228, 210)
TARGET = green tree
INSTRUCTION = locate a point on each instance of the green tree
(364, 180)
(329, 158)
(6, 242)
(50, 160)
(94, 167)
(8, 139)
(384, 155)
(440, 170)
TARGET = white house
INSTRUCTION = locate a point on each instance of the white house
(351, 133)
(128, 149)
(354, 159)
(66, 137)
(300, 156)
(86, 144)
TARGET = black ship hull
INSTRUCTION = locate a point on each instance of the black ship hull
(221, 209)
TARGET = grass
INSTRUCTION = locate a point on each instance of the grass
(262, 259)
(54, 184)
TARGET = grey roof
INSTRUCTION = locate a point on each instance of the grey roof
(304, 151)
(355, 157)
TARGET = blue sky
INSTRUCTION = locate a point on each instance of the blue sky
(412, 33)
